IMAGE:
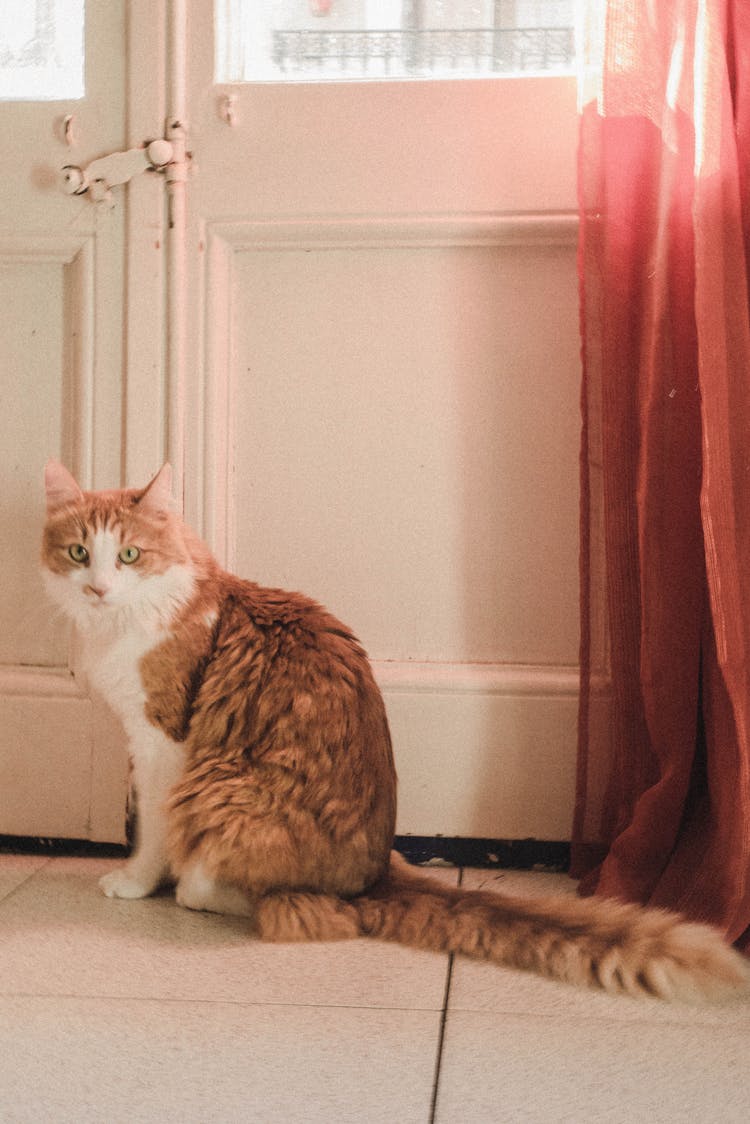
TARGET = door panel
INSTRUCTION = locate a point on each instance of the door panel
(383, 407)
(420, 478)
(37, 345)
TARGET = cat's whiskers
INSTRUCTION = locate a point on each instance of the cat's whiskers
(166, 604)
(150, 615)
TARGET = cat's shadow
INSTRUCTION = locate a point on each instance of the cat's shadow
(66, 893)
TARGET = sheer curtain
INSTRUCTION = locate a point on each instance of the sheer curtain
(663, 800)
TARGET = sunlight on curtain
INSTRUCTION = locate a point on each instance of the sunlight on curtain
(663, 799)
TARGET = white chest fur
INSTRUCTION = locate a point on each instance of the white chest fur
(111, 663)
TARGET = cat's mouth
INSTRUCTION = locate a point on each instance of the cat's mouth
(98, 595)
(99, 603)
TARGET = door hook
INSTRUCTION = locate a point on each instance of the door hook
(228, 108)
(68, 133)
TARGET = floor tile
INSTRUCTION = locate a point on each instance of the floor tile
(478, 986)
(61, 936)
(86, 1061)
(553, 1070)
(528, 883)
(15, 869)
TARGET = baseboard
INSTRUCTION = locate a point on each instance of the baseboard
(422, 850)
(77, 848)
(504, 854)
(483, 751)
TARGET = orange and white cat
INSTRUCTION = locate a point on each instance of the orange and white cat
(263, 766)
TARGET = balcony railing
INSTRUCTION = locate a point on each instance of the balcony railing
(424, 53)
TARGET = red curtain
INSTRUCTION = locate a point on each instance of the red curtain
(663, 799)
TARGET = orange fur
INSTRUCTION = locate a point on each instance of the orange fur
(289, 778)
(288, 790)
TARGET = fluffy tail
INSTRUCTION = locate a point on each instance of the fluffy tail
(621, 948)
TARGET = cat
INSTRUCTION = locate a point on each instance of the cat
(264, 771)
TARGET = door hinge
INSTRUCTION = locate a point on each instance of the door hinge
(101, 175)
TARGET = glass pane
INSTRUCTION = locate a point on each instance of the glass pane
(41, 50)
(339, 40)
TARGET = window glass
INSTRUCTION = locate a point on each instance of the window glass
(41, 49)
(339, 40)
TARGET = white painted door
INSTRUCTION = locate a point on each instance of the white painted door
(80, 346)
(378, 402)
(383, 402)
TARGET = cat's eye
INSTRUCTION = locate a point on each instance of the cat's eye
(129, 555)
(78, 552)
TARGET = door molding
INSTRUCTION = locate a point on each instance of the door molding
(77, 257)
(211, 509)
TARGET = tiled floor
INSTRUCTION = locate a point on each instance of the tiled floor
(114, 1011)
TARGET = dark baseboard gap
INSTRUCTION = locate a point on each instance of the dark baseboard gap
(77, 848)
(506, 854)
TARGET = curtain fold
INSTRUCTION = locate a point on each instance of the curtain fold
(663, 798)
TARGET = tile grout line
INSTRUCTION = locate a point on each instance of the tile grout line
(164, 1000)
(441, 1031)
(19, 885)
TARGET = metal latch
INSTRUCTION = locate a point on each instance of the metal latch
(100, 176)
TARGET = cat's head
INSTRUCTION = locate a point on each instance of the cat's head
(113, 555)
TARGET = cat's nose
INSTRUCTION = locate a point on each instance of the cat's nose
(97, 590)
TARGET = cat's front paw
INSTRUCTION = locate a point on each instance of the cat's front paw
(124, 883)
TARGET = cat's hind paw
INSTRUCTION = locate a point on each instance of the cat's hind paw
(123, 883)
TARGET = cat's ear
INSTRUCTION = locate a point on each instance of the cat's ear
(62, 489)
(157, 496)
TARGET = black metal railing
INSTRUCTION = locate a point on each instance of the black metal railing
(423, 52)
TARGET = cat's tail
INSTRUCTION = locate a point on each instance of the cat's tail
(621, 948)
